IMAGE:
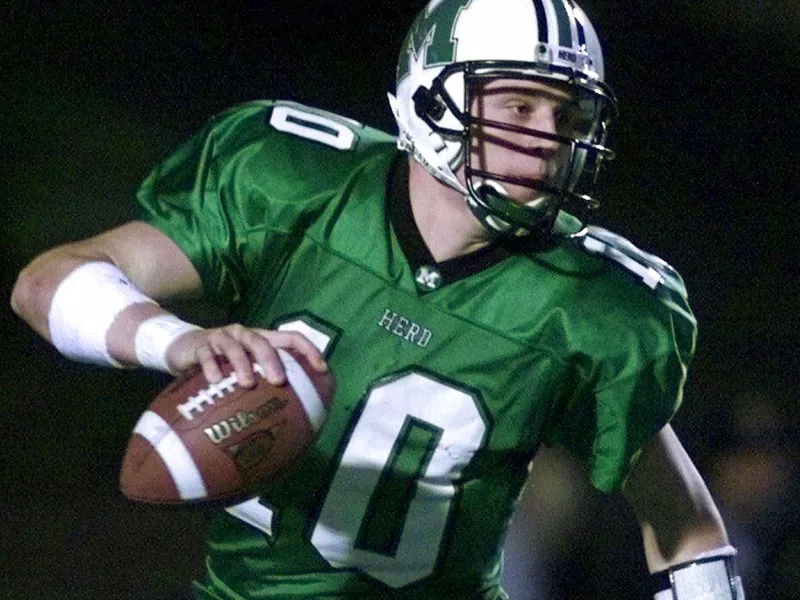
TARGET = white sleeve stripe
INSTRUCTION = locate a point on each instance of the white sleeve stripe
(305, 390)
(174, 454)
(649, 275)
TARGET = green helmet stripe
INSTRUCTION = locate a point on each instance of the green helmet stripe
(541, 21)
(562, 19)
(431, 33)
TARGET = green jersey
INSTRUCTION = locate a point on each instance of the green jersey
(449, 375)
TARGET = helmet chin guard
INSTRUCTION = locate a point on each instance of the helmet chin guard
(453, 47)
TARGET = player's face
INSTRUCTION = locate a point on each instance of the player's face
(530, 105)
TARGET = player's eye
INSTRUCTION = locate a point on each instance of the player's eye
(519, 109)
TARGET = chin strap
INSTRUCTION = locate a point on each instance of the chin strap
(491, 204)
(710, 576)
(496, 225)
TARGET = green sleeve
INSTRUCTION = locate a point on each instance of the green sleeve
(630, 411)
(200, 197)
(636, 352)
(236, 194)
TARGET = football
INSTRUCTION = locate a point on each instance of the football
(200, 442)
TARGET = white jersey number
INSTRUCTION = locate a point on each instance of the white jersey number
(397, 479)
(388, 505)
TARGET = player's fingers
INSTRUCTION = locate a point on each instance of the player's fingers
(224, 344)
(266, 355)
(292, 340)
(208, 363)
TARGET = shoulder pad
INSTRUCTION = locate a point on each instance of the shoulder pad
(650, 269)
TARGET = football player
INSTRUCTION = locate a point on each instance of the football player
(468, 316)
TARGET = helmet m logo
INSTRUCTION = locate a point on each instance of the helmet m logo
(430, 40)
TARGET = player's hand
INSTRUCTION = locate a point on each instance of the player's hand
(241, 346)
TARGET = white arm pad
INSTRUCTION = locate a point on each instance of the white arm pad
(85, 304)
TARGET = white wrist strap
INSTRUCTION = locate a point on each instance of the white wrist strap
(154, 337)
(85, 304)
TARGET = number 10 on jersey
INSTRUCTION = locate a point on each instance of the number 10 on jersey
(388, 504)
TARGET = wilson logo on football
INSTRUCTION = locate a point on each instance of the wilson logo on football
(221, 431)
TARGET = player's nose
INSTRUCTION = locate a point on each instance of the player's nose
(544, 121)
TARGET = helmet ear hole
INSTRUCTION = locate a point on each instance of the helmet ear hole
(427, 104)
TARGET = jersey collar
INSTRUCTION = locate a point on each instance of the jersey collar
(429, 274)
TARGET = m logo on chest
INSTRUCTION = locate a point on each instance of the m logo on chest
(405, 328)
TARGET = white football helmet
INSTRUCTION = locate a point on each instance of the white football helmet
(454, 45)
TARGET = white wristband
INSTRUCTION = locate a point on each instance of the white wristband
(709, 576)
(154, 337)
(85, 304)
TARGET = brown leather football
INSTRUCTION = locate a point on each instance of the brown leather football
(200, 442)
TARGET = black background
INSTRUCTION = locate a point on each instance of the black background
(94, 94)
